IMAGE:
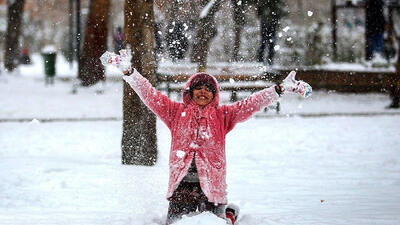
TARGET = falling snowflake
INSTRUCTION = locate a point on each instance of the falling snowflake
(309, 13)
(286, 29)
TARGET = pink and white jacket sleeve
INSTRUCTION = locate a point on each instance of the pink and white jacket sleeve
(244, 109)
(157, 102)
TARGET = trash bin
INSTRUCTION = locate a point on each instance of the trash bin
(49, 57)
(50, 64)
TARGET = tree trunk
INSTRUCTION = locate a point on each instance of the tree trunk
(398, 57)
(90, 68)
(176, 41)
(239, 19)
(139, 141)
(206, 30)
(15, 11)
(395, 92)
(236, 46)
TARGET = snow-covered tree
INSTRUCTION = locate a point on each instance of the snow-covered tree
(139, 143)
(239, 21)
(206, 30)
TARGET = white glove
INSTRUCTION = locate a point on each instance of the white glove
(121, 61)
(291, 85)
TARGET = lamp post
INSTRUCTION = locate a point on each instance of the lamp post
(75, 50)
(71, 35)
(78, 29)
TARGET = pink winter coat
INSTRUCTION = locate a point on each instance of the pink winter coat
(199, 132)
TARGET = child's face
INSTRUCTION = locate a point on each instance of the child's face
(202, 95)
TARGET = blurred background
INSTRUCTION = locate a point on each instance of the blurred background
(337, 45)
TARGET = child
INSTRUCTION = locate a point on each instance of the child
(198, 128)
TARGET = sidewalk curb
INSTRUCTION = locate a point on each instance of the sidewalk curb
(261, 116)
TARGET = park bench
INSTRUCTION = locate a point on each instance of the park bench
(372, 80)
(232, 84)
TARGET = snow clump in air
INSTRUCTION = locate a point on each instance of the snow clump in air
(286, 29)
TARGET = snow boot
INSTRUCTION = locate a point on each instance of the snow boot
(232, 213)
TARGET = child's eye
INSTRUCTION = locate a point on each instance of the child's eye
(206, 87)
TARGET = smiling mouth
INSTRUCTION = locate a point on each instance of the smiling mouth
(202, 97)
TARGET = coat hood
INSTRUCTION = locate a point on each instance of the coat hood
(201, 78)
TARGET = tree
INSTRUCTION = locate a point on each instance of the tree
(239, 19)
(15, 11)
(90, 68)
(177, 42)
(395, 90)
(206, 30)
(139, 141)
(374, 27)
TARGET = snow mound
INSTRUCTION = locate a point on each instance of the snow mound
(201, 219)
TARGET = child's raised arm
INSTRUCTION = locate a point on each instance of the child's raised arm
(242, 110)
(157, 102)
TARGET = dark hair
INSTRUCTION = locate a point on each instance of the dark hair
(209, 86)
(203, 80)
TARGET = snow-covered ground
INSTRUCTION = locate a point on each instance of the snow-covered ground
(281, 169)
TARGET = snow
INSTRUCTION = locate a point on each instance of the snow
(62, 163)
(204, 218)
(180, 154)
(206, 9)
(49, 49)
(286, 29)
